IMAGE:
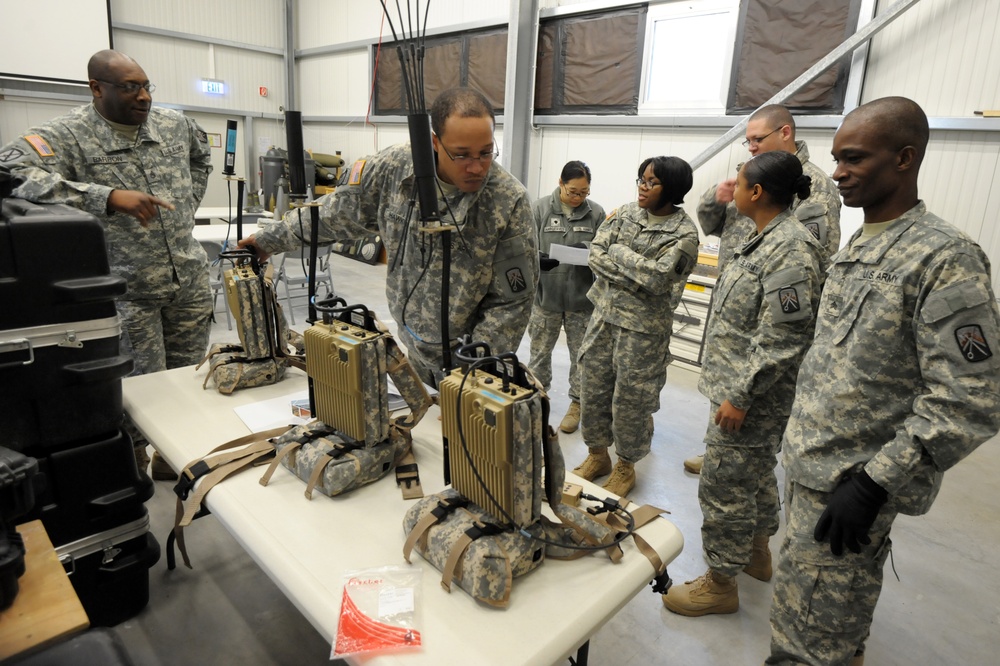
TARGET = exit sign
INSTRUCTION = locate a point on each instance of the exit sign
(213, 87)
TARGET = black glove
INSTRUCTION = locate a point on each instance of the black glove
(852, 510)
(545, 262)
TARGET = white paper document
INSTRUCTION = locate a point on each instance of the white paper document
(267, 414)
(575, 256)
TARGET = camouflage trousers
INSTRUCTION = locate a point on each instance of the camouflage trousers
(823, 604)
(738, 493)
(161, 334)
(543, 329)
(621, 375)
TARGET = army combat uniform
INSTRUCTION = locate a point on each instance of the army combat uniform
(762, 321)
(640, 265)
(820, 213)
(902, 380)
(78, 159)
(561, 300)
(494, 255)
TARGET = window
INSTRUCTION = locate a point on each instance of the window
(476, 59)
(689, 50)
(590, 63)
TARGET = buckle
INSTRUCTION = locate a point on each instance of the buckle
(189, 477)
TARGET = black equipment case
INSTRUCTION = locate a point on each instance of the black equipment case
(90, 488)
(58, 328)
(110, 570)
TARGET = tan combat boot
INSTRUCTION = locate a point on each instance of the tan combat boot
(622, 479)
(693, 464)
(160, 469)
(713, 593)
(597, 463)
(571, 421)
(760, 559)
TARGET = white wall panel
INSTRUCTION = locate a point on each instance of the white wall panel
(257, 22)
(941, 53)
(334, 85)
(328, 22)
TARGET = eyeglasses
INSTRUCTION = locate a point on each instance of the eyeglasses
(482, 158)
(646, 184)
(131, 88)
(576, 194)
(756, 140)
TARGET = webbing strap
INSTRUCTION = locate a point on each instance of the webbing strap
(340, 450)
(443, 509)
(452, 565)
(218, 458)
(281, 455)
(642, 516)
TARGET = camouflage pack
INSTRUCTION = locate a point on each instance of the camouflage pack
(489, 528)
(267, 345)
(354, 441)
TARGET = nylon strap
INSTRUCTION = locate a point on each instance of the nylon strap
(290, 448)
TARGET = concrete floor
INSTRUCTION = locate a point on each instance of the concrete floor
(943, 609)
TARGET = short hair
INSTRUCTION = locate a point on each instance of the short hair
(676, 176)
(898, 122)
(460, 102)
(102, 63)
(574, 169)
(779, 174)
(776, 116)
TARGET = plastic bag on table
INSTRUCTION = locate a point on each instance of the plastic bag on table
(378, 612)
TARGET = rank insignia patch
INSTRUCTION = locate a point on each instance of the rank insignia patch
(972, 343)
(789, 298)
(516, 281)
(40, 145)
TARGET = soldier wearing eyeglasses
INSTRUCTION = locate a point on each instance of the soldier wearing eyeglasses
(494, 255)
(770, 128)
(142, 171)
(565, 217)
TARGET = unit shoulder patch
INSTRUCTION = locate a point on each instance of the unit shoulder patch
(972, 343)
(515, 280)
(789, 299)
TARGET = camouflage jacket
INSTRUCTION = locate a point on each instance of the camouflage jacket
(763, 316)
(902, 377)
(820, 213)
(564, 288)
(494, 260)
(640, 269)
(78, 159)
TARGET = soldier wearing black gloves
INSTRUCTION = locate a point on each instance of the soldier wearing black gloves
(902, 382)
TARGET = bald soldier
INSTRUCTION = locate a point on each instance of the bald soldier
(142, 171)
(900, 384)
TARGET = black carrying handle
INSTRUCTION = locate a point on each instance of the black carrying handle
(335, 307)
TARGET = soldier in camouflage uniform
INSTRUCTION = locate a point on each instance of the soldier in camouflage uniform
(768, 129)
(900, 384)
(762, 321)
(565, 217)
(641, 258)
(143, 172)
(494, 261)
